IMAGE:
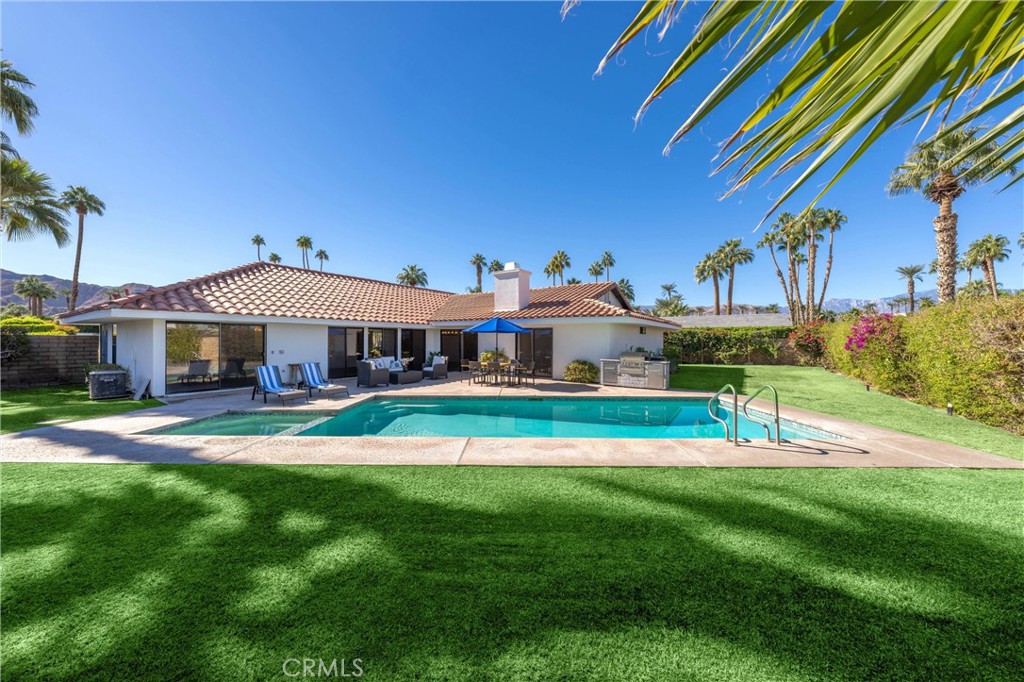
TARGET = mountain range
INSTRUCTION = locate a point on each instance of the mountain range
(88, 294)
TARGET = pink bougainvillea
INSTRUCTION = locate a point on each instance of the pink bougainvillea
(871, 327)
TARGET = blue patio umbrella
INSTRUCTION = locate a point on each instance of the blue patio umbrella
(497, 325)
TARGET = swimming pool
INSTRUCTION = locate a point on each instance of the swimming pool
(241, 424)
(541, 418)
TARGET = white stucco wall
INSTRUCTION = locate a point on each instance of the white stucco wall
(287, 343)
(578, 342)
(140, 348)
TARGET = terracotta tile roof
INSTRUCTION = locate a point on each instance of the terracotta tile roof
(270, 290)
(572, 300)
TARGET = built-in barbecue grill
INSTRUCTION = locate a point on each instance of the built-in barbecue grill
(634, 369)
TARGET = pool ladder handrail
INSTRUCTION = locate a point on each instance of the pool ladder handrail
(735, 413)
(765, 424)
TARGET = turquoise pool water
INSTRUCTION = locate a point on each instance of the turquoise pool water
(539, 418)
(241, 424)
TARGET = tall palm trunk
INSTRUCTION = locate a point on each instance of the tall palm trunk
(946, 248)
(78, 260)
(479, 278)
(794, 286)
(828, 270)
(782, 281)
(812, 254)
(728, 301)
(988, 269)
(718, 304)
(910, 292)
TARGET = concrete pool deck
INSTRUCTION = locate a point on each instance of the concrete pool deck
(121, 439)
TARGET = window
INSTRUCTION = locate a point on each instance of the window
(201, 357)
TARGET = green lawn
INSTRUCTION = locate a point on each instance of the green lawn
(439, 573)
(28, 408)
(814, 388)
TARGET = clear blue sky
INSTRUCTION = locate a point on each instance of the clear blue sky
(413, 133)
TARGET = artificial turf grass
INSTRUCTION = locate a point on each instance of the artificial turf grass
(156, 572)
(26, 408)
(814, 388)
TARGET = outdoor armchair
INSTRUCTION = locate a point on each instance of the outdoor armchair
(437, 370)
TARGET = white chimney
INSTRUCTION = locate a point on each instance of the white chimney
(511, 287)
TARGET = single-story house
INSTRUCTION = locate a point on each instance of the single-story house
(210, 332)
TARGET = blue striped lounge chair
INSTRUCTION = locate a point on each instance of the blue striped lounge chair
(313, 379)
(268, 381)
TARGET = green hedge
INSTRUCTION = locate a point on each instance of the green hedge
(725, 345)
(38, 326)
(969, 353)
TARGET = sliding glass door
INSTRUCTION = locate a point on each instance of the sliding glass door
(414, 347)
(537, 347)
(344, 350)
(204, 357)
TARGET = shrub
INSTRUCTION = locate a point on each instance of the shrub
(581, 372)
(808, 341)
(969, 353)
(13, 342)
(491, 356)
(38, 326)
(725, 345)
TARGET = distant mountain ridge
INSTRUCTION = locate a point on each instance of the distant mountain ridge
(88, 294)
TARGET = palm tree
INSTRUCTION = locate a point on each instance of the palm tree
(83, 202)
(413, 276)
(560, 262)
(257, 241)
(35, 291)
(772, 308)
(870, 308)
(274, 258)
(65, 293)
(495, 266)
(911, 273)
(925, 302)
(833, 220)
(479, 262)
(16, 105)
(711, 268)
(838, 90)
(305, 244)
(548, 272)
(28, 204)
(607, 262)
(596, 270)
(321, 255)
(942, 170)
(671, 304)
(731, 255)
(988, 251)
(574, 280)
(626, 287)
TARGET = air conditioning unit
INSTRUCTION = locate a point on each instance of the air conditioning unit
(108, 383)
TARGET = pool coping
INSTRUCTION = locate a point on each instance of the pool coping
(122, 439)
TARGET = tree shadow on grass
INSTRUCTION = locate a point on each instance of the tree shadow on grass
(185, 572)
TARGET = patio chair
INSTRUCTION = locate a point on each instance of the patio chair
(197, 370)
(234, 367)
(528, 373)
(313, 379)
(438, 370)
(268, 381)
(369, 374)
(475, 373)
